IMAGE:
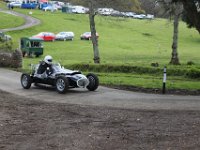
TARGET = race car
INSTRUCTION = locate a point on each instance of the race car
(60, 78)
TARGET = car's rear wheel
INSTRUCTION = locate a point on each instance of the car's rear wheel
(62, 84)
(93, 82)
(26, 81)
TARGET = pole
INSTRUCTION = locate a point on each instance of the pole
(164, 79)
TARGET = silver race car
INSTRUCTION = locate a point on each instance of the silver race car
(60, 78)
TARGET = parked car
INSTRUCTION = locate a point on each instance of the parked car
(130, 14)
(57, 4)
(46, 36)
(79, 9)
(65, 36)
(15, 4)
(141, 16)
(105, 11)
(29, 5)
(5, 37)
(87, 36)
(149, 16)
(50, 8)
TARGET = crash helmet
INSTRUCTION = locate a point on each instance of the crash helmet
(48, 59)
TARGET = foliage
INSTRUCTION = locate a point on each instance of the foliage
(149, 6)
(191, 13)
(193, 73)
(190, 73)
(6, 46)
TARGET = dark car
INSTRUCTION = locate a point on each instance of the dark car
(87, 36)
(60, 78)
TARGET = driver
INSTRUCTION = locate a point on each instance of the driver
(46, 65)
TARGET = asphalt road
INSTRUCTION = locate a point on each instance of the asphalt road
(10, 82)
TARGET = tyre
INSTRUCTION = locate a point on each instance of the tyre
(23, 54)
(93, 82)
(37, 55)
(26, 81)
(62, 84)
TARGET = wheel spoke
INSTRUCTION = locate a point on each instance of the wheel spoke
(24, 80)
(60, 84)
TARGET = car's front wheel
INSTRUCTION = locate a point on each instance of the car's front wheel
(62, 84)
(26, 81)
(93, 82)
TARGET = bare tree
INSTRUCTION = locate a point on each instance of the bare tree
(178, 9)
(92, 14)
(174, 10)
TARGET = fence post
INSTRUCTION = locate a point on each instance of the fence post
(164, 79)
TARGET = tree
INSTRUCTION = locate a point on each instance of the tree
(178, 9)
(92, 14)
(191, 14)
(149, 6)
(127, 5)
(174, 9)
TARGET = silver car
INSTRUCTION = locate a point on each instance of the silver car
(65, 36)
(5, 37)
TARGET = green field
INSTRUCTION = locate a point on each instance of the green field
(9, 21)
(122, 41)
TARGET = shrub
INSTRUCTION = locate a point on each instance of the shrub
(190, 63)
(193, 73)
(6, 46)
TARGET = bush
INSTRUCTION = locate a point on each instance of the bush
(193, 73)
(6, 46)
(115, 68)
(190, 63)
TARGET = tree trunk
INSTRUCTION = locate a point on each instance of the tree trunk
(93, 33)
(175, 58)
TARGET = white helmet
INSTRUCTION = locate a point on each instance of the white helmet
(48, 59)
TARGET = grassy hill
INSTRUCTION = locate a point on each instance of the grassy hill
(122, 41)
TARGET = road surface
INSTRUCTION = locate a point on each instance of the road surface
(10, 82)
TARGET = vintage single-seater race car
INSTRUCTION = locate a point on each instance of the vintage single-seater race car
(60, 78)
